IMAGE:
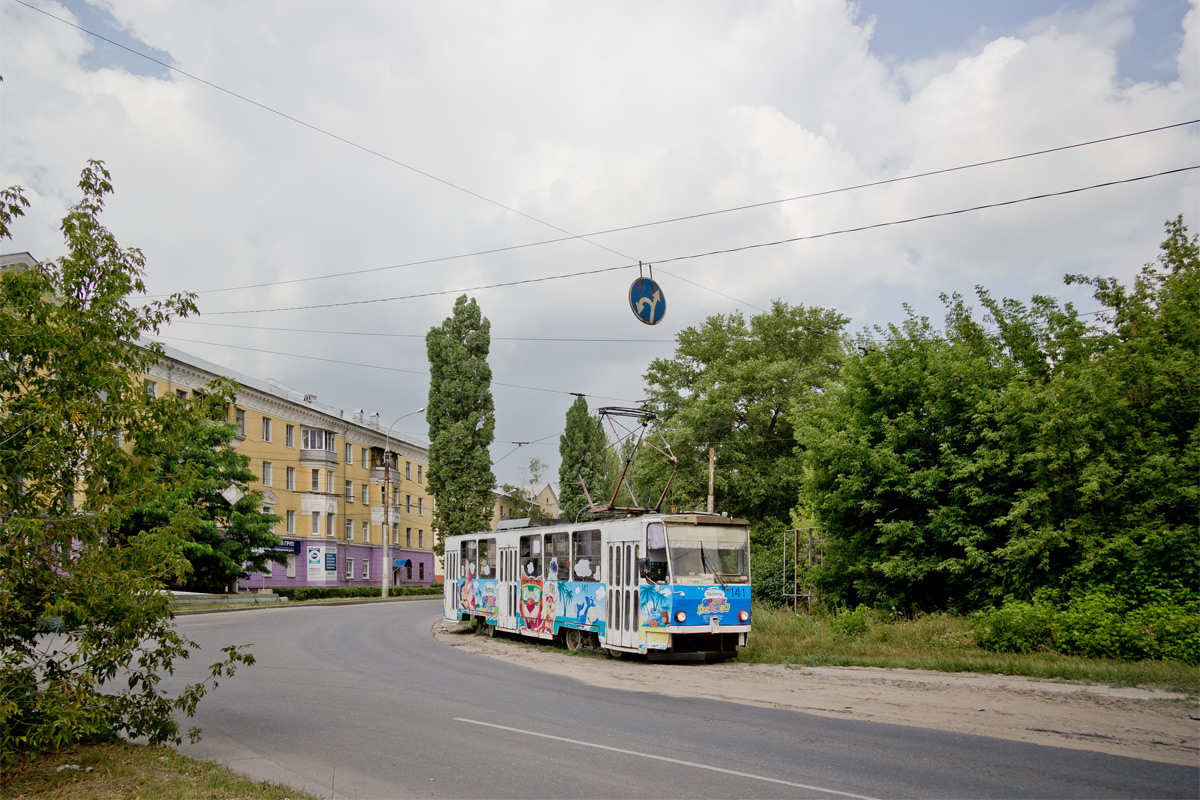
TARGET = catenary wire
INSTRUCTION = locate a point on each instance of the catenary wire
(811, 195)
(568, 237)
(318, 129)
(726, 251)
(376, 366)
(569, 234)
(416, 335)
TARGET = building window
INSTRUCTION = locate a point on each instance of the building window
(395, 533)
(239, 419)
(408, 537)
(152, 388)
(266, 430)
(182, 395)
(421, 567)
(420, 538)
(291, 522)
(329, 482)
(365, 456)
(420, 474)
(366, 570)
(329, 525)
(420, 506)
(366, 494)
(396, 495)
(289, 436)
(291, 565)
(349, 569)
(408, 570)
(266, 473)
(408, 504)
(349, 452)
(408, 470)
(349, 531)
(291, 479)
(316, 480)
(366, 532)
(349, 491)
(316, 523)
(316, 439)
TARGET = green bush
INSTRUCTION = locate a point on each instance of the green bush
(1097, 624)
(853, 623)
(340, 592)
(1015, 627)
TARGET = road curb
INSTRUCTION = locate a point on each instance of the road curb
(183, 611)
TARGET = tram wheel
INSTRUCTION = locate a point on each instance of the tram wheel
(613, 653)
(489, 630)
(573, 639)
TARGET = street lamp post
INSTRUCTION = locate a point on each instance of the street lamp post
(386, 577)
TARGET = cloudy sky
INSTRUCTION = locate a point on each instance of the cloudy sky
(329, 176)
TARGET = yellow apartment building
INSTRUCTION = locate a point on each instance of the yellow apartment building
(324, 473)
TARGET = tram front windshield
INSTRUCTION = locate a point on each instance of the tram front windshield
(708, 554)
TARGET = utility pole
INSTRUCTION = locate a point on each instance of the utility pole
(386, 528)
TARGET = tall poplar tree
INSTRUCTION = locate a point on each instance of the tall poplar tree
(462, 421)
(582, 448)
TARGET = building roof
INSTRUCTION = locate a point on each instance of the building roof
(277, 389)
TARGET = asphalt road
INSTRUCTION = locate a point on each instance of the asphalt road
(363, 701)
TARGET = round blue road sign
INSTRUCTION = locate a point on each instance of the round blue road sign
(647, 301)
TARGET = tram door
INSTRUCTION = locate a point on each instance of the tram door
(507, 589)
(451, 584)
(621, 619)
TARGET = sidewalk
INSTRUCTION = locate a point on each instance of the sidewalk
(198, 603)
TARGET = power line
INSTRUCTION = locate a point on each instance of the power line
(415, 335)
(569, 236)
(376, 366)
(318, 129)
(727, 251)
(811, 195)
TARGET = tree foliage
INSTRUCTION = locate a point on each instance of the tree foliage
(462, 421)
(196, 471)
(1044, 453)
(73, 412)
(734, 386)
(583, 448)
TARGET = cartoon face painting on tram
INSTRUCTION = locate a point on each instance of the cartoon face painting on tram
(661, 584)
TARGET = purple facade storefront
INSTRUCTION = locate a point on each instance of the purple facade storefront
(327, 562)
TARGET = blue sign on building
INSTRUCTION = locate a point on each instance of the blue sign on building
(647, 301)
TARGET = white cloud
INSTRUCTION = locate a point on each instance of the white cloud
(586, 117)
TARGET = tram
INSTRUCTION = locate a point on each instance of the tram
(663, 585)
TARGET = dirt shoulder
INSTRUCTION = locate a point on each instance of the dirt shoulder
(1139, 723)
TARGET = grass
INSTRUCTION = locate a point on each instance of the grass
(129, 770)
(938, 642)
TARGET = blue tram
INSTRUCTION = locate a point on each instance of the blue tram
(659, 584)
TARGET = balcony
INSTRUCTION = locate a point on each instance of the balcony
(322, 457)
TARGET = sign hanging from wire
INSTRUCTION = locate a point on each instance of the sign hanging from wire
(646, 298)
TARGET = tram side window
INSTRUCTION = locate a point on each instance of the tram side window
(531, 556)
(558, 550)
(587, 556)
(466, 559)
(487, 558)
(656, 552)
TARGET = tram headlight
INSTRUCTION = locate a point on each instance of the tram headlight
(680, 616)
(743, 616)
